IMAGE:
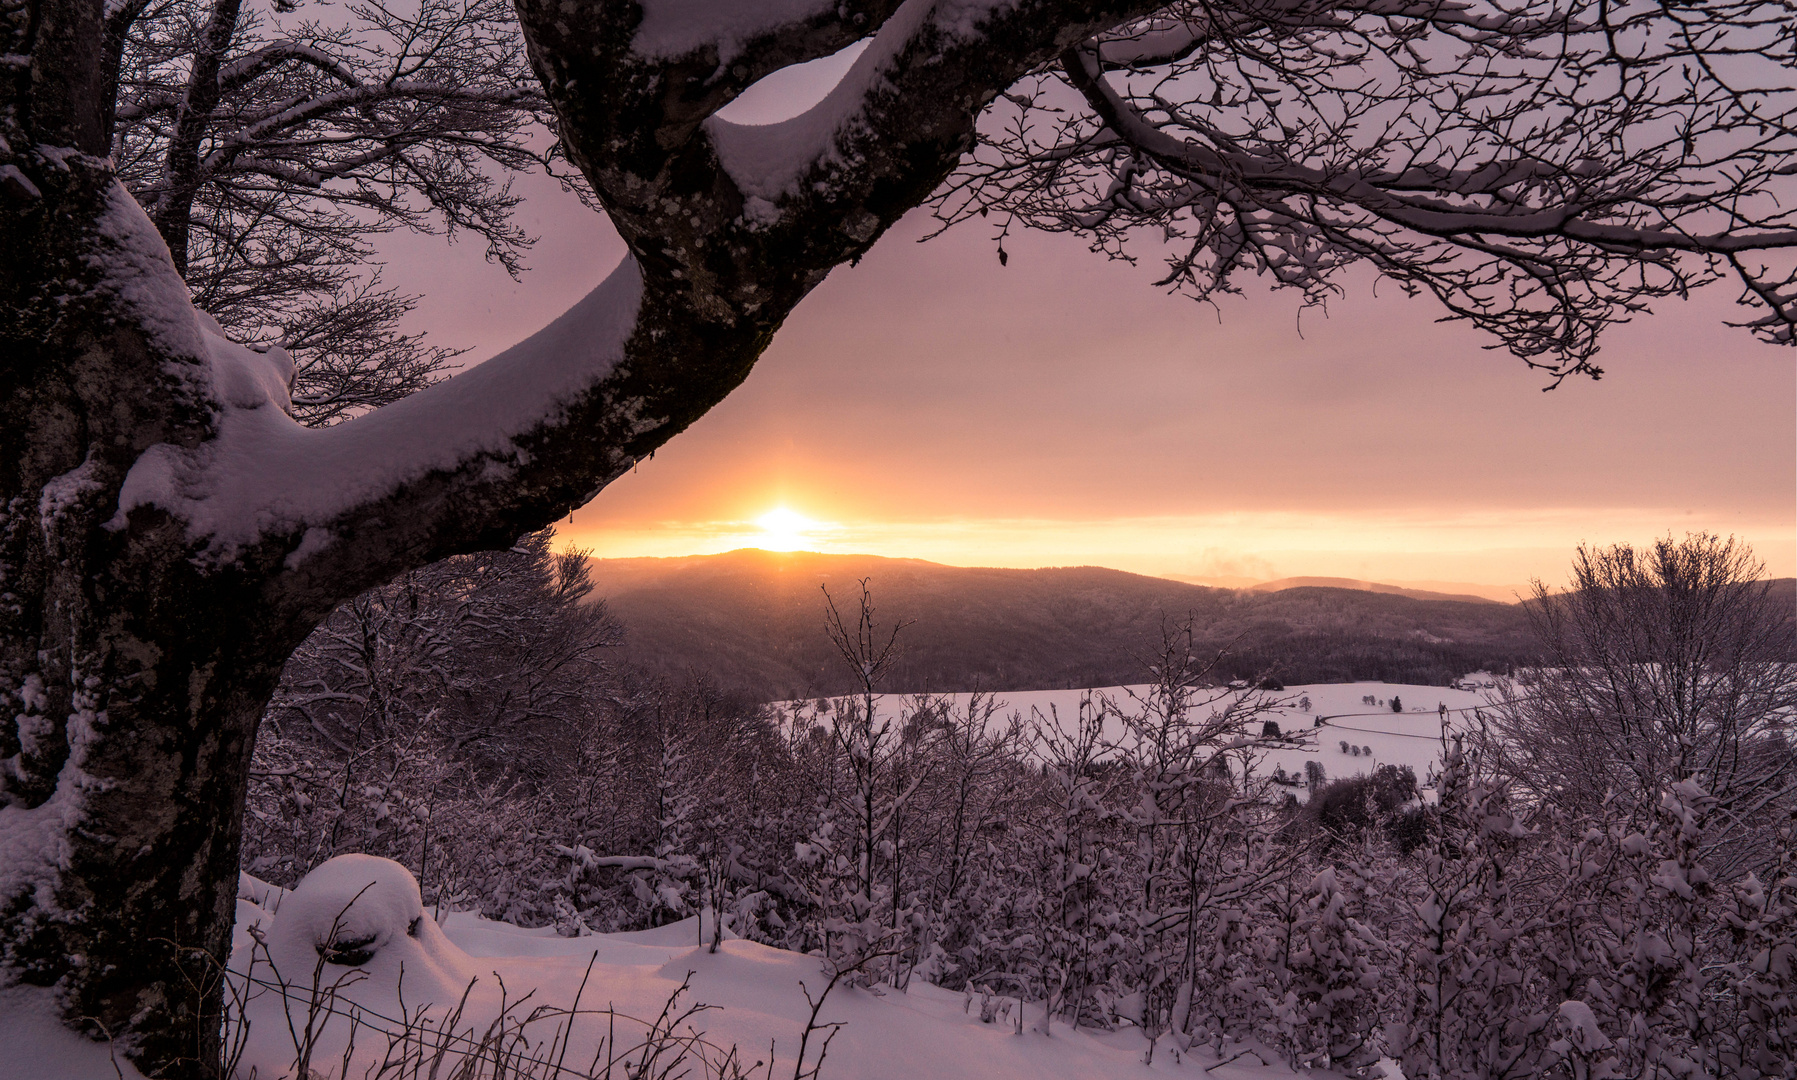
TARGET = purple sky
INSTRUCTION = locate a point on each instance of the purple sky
(1061, 410)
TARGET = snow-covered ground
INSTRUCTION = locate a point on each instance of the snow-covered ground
(1412, 737)
(477, 969)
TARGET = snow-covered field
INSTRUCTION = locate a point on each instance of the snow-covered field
(1412, 737)
(757, 998)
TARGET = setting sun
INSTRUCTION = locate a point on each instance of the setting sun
(786, 530)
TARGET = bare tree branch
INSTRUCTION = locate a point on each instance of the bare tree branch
(1544, 172)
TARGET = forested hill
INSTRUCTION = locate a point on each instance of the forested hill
(755, 621)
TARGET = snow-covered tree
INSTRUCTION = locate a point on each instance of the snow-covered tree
(1186, 808)
(1662, 664)
(978, 783)
(1320, 975)
(498, 656)
(1464, 1005)
(431, 720)
(877, 765)
(172, 534)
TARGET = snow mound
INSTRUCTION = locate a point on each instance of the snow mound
(259, 892)
(359, 920)
(348, 910)
(349, 950)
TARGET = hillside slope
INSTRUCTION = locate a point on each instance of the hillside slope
(755, 620)
(1281, 584)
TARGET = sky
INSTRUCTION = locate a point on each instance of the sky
(1061, 410)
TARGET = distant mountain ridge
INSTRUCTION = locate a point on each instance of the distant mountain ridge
(1416, 590)
(755, 620)
(1282, 584)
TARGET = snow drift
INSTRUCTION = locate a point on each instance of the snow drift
(348, 974)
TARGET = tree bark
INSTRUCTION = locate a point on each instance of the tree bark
(168, 537)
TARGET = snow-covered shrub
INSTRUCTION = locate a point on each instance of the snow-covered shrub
(1762, 923)
(1324, 977)
(1077, 867)
(973, 787)
(1644, 942)
(688, 800)
(1583, 1050)
(1463, 1003)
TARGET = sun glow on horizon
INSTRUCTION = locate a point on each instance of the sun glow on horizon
(787, 530)
(1502, 550)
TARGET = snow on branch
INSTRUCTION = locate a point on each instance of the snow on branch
(266, 475)
(245, 68)
(743, 41)
(770, 163)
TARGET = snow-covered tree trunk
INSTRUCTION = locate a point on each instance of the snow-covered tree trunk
(170, 533)
(133, 677)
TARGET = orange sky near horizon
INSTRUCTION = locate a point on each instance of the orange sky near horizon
(1061, 410)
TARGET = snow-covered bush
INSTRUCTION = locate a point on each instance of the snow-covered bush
(1463, 1003)
(1320, 974)
(1077, 866)
(1762, 924)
